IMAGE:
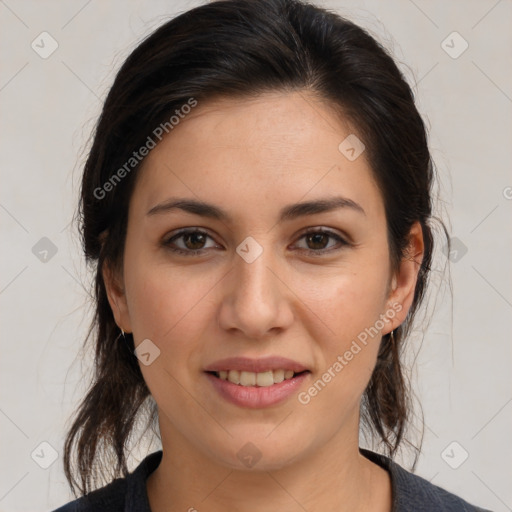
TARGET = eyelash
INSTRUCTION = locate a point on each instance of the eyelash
(196, 252)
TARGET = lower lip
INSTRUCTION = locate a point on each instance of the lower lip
(255, 397)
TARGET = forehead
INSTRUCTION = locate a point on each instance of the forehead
(267, 150)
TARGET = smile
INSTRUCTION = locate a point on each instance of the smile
(261, 379)
(256, 390)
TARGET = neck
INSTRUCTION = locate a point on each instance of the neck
(336, 477)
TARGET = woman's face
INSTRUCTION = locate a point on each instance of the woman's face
(260, 288)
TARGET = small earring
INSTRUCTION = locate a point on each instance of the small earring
(122, 332)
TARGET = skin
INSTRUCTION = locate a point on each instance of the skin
(251, 158)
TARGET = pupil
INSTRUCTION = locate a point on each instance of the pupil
(316, 237)
(194, 236)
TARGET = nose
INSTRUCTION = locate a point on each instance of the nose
(256, 301)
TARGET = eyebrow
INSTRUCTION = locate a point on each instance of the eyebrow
(287, 213)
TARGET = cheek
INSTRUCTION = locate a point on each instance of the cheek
(349, 350)
(167, 305)
(171, 310)
(350, 309)
(348, 300)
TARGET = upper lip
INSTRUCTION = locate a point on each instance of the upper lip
(255, 365)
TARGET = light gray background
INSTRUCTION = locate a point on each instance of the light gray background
(48, 108)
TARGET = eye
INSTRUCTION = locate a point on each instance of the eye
(192, 240)
(318, 241)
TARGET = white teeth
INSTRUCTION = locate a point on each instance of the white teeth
(262, 379)
(265, 379)
(278, 376)
(247, 379)
(234, 376)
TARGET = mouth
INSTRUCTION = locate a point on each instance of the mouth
(257, 390)
(257, 379)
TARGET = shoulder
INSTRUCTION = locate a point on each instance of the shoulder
(412, 492)
(126, 494)
(110, 498)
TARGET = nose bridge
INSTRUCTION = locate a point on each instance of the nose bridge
(256, 301)
(253, 278)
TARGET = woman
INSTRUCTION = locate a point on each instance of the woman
(257, 206)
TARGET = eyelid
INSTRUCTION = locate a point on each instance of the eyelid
(343, 240)
(185, 231)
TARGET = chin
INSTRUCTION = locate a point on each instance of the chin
(258, 454)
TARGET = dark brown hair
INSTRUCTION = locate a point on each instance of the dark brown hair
(241, 48)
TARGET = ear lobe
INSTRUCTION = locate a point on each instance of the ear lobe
(116, 297)
(404, 279)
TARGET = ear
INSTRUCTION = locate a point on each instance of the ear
(116, 297)
(403, 282)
